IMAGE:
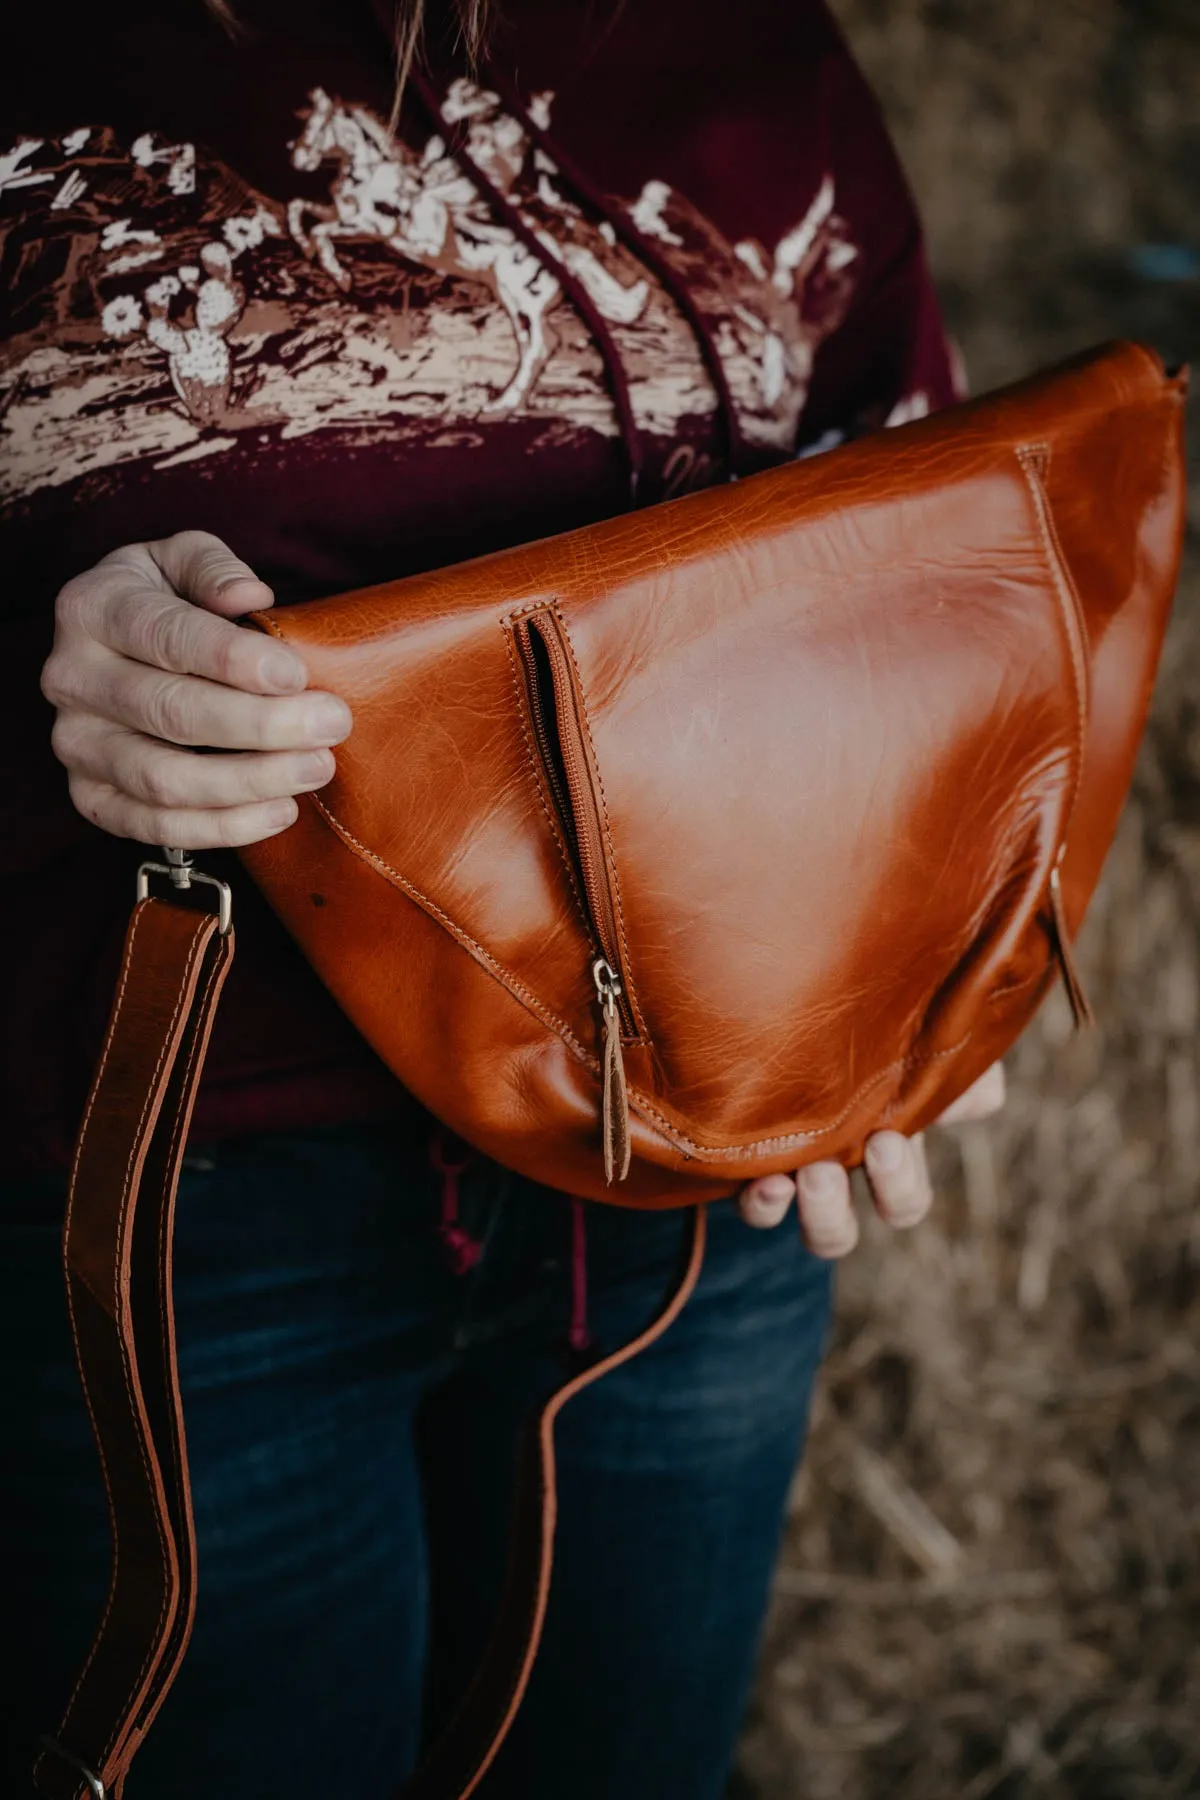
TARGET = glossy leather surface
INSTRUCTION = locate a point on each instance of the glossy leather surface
(842, 719)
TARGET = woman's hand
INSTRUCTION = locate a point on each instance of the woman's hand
(147, 668)
(897, 1176)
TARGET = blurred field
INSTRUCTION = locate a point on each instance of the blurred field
(991, 1585)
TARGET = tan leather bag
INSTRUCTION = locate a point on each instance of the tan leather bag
(721, 834)
(685, 847)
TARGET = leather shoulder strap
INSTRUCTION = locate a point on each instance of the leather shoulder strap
(118, 1252)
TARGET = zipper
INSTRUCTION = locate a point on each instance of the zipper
(556, 715)
(542, 709)
(562, 747)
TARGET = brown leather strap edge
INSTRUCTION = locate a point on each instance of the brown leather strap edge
(116, 1248)
(460, 1759)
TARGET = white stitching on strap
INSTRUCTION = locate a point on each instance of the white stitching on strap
(126, 1191)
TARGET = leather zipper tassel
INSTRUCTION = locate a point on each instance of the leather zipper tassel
(1081, 1010)
(614, 1103)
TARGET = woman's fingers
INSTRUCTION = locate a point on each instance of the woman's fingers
(167, 777)
(897, 1174)
(896, 1167)
(147, 661)
(822, 1194)
(188, 709)
(827, 1220)
(898, 1177)
(205, 571)
(212, 828)
(763, 1203)
(122, 607)
(168, 633)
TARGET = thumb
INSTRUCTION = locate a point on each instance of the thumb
(201, 568)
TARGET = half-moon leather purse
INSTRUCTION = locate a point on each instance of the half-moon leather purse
(685, 847)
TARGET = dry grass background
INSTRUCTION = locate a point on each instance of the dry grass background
(991, 1583)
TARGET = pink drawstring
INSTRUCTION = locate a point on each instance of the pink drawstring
(463, 1249)
(578, 1335)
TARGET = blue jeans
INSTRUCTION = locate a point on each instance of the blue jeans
(353, 1410)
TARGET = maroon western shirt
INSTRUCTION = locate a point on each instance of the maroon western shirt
(670, 236)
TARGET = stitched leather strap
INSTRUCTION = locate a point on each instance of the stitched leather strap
(118, 1248)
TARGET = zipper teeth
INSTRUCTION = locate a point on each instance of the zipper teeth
(577, 807)
(542, 733)
(591, 860)
(579, 789)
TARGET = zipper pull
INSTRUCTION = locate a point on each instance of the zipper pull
(614, 1104)
(1081, 1010)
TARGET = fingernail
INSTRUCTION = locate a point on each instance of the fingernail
(887, 1151)
(242, 594)
(280, 669)
(329, 720)
(281, 813)
(830, 1249)
(773, 1190)
(759, 1213)
(238, 577)
(818, 1180)
(315, 766)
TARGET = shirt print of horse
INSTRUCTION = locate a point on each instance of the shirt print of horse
(426, 209)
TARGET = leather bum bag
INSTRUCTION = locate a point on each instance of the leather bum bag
(688, 846)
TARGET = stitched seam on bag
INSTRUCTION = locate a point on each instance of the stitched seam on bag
(508, 979)
(728, 1152)
(1064, 588)
(641, 1102)
(112, 1513)
(630, 990)
(503, 975)
(530, 606)
(539, 774)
